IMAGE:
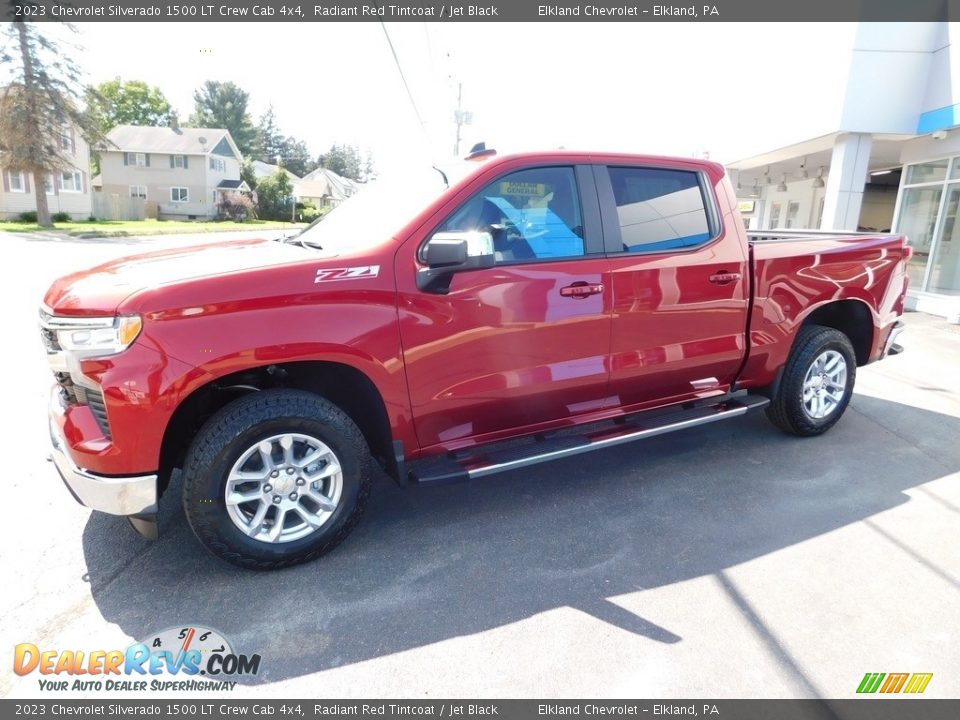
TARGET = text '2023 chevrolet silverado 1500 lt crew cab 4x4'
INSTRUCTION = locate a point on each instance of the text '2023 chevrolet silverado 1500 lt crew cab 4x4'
(561, 301)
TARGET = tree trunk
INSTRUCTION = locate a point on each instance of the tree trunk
(43, 210)
(30, 88)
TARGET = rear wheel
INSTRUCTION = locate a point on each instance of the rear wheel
(276, 478)
(817, 382)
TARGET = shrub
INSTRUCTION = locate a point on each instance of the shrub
(235, 206)
(61, 217)
(308, 212)
(273, 197)
(28, 217)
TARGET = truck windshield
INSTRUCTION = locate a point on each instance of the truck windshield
(378, 210)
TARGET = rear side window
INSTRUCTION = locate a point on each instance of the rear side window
(532, 215)
(659, 209)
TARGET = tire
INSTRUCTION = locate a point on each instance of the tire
(794, 408)
(281, 449)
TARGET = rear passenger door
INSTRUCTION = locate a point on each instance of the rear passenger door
(679, 282)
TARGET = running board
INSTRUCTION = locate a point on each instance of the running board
(479, 462)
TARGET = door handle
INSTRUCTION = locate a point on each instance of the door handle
(581, 290)
(724, 278)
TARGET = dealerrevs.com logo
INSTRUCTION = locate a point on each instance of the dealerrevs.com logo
(177, 659)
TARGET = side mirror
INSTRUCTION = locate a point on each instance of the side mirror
(447, 253)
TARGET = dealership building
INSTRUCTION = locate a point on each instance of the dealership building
(892, 161)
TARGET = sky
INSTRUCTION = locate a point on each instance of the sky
(730, 90)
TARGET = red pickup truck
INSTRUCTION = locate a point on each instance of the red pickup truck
(539, 306)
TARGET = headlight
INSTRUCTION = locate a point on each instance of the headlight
(95, 336)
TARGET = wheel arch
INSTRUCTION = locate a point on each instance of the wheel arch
(344, 385)
(851, 316)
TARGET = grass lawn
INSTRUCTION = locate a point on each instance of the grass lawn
(122, 228)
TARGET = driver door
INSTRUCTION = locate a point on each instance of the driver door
(520, 346)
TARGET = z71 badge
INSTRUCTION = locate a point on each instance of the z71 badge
(350, 273)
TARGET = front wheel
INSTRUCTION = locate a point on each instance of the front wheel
(276, 478)
(817, 382)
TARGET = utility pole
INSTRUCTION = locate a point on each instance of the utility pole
(461, 118)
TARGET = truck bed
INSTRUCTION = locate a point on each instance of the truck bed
(795, 272)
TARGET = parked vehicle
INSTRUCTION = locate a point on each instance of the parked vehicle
(564, 302)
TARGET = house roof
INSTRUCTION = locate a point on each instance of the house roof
(326, 182)
(232, 185)
(262, 170)
(182, 141)
(311, 189)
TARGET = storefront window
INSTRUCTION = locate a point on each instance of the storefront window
(929, 205)
(945, 265)
(927, 172)
(774, 215)
(918, 221)
(793, 214)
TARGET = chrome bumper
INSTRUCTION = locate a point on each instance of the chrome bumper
(132, 495)
(891, 347)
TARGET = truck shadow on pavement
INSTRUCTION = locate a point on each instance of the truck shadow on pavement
(428, 564)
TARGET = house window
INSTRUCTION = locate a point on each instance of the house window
(218, 164)
(136, 159)
(179, 194)
(138, 191)
(71, 181)
(179, 161)
(16, 182)
(66, 140)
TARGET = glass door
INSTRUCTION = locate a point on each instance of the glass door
(944, 276)
(918, 221)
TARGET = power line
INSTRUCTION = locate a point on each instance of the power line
(403, 77)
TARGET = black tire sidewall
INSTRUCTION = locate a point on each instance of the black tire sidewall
(205, 485)
(827, 339)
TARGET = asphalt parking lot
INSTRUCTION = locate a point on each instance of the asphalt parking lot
(724, 561)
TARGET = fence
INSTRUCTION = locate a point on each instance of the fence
(110, 206)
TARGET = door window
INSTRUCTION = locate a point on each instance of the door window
(532, 215)
(659, 209)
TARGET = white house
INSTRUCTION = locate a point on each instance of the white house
(179, 172)
(67, 191)
(324, 188)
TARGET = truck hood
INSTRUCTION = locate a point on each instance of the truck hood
(101, 290)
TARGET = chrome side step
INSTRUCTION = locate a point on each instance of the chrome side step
(480, 462)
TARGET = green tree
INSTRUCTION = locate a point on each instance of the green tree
(275, 197)
(269, 138)
(296, 156)
(345, 160)
(224, 105)
(247, 174)
(40, 100)
(127, 102)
